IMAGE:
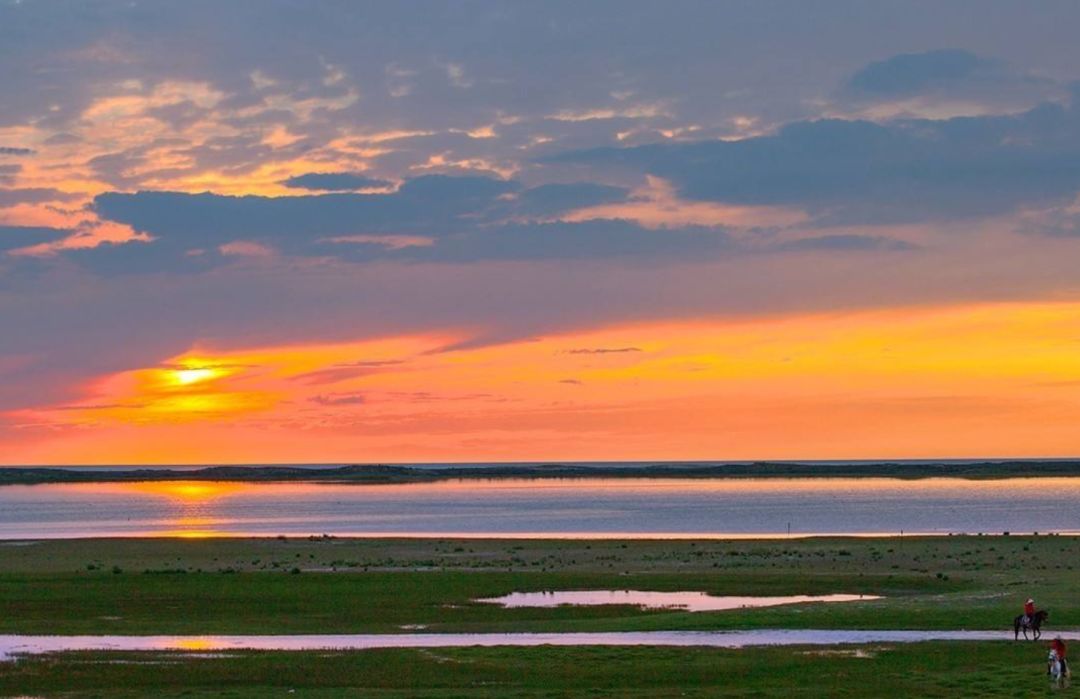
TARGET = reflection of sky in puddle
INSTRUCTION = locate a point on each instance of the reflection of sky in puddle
(568, 508)
(689, 601)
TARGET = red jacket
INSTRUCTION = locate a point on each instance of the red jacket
(1059, 648)
(1029, 608)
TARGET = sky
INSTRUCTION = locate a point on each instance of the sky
(507, 231)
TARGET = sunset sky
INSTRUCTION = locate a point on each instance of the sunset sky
(498, 231)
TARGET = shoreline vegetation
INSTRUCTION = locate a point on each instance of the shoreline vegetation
(366, 474)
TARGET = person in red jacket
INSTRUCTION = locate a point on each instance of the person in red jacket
(1058, 646)
(1029, 611)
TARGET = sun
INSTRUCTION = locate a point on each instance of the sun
(187, 377)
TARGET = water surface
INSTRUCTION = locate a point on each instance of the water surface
(569, 508)
(12, 646)
(648, 599)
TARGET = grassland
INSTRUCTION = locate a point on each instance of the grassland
(323, 585)
(375, 586)
(918, 670)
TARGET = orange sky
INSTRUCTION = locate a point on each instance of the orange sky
(990, 379)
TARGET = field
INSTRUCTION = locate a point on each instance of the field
(325, 585)
(918, 670)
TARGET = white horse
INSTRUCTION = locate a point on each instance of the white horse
(1054, 668)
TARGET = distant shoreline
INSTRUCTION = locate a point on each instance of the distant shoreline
(388, 474)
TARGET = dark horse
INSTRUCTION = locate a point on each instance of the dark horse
(1035, 625)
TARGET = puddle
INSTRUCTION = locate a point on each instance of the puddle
(866, 654)
(13, 646)
(686, 601)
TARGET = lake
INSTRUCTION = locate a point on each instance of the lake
(588, 508)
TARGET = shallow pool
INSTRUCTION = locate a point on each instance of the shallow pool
(689, 601)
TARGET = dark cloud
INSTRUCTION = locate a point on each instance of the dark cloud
(466, 219)
(555, 199)
(140, 257)
(429, 204)
(33, 195)
(951, 78)
(10, 150)
(915, 73)
(847, 242)
(845, 171)
(15, 237)
(335, 182)
(432, 219)
(587, 240)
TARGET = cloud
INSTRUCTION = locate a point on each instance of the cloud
(604, 350)
(10, 150)
(589, 240)
(15, 237)
(338, 399)
(915, 73)
(555, 199)
(372, 364)
(596, 240)
(343, 372)
(335, 182)
(430, 397)
(847, 242)
(33, 195)
(1061, 222)
(429, 219)
(946, 82)
(859, 172)
(205, 220)
(459, 219)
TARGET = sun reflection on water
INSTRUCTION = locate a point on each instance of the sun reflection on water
(193, 506)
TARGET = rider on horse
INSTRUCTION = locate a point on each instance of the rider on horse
(1029, 611)
(1058, 646)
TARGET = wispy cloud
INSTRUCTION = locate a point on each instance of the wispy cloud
(604, 350)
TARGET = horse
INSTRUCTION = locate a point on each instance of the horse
(1055, 668)
(1034, 625)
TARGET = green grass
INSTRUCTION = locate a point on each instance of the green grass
(246, 586)
(923, 670)
(383, 602)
